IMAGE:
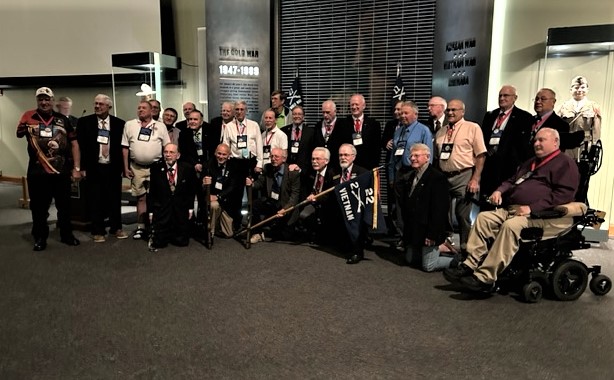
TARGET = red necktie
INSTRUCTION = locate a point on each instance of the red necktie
(171, 176)
(357, 125)
(319, 183)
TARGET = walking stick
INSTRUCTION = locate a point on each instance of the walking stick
(207, 218)
(250, 202)
(150, 242)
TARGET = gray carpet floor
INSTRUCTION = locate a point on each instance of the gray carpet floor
(276, 311)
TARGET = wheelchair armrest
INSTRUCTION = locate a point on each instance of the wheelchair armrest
(570, 209)
(573, 209)
(548, 214)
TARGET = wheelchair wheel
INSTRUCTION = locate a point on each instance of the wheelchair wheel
(569, 280)
(532, 292)
(600, 285)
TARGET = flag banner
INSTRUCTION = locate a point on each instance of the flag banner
(359, 203)
(398, 91)
(295, 95)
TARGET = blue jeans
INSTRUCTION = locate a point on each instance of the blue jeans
(431, 259)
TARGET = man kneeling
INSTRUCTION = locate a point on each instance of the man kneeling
(549, 179)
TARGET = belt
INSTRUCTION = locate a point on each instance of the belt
(456, 172)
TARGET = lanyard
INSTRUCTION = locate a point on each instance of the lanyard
(240, 131)
(45, 123)
(501, 119)
(297, 133)
(357, 125)
(544, 161)
(267, 141)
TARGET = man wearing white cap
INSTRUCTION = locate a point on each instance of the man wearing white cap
(54, 158)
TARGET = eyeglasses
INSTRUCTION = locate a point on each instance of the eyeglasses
(415, 155)
(317, 158)
(453, 109)
(435, 105)
(345, 154)
(542, 99)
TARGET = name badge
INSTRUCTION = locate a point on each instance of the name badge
(523, 178)
(266, 151)
(103, 136)
(219, 185)
(446, 151)
(242, 141)
(45, 132)
(494, 141)
(357, 139)
(274, 195)
(294, 147)
(399, 151)
(199, 152)
(144, 134)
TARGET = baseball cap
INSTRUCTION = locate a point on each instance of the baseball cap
(44, 91)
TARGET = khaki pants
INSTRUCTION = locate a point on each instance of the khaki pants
(505, 229)
(220, 217)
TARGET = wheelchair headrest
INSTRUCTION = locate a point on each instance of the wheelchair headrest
(572, 209)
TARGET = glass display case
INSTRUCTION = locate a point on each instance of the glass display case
(578, 66)
(142, 75)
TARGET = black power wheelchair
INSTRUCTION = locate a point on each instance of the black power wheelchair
(545, 264)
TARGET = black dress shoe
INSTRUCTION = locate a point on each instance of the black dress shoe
(70, 240)
(40, 244)
(473, 284)
(355, 259)
(455, 274)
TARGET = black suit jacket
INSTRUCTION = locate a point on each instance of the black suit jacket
(188, 149)
(161, 198)
(430, 122)
(513, 149)
(229, 197)
(182, 125)
(369, 152)
(306, 145)
(308, 178)
(214, 134)
(87, 135)
(425, 211)
(341, 134)
(554, 121)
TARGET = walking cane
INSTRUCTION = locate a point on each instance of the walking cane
(250, 203)
(207, 218)
(150, 242)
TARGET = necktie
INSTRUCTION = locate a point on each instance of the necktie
(346, 175)
(297, 134)
(437, 126)
(276, 187)
(105, 147)
(357, 125)
(538, 119)
(319, 183)
(414, 181)
(171, 176)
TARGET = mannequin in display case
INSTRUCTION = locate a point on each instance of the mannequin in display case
(582, 114)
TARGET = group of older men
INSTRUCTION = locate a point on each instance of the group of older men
(432, 165)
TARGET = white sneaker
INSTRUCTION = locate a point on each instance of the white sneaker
(256, 238)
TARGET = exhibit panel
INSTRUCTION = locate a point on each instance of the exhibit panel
(578, 65)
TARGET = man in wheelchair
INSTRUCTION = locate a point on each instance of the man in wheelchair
(549, 179)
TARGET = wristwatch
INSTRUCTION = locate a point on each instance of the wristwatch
(77, 168)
